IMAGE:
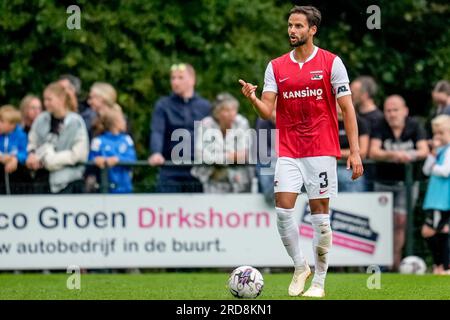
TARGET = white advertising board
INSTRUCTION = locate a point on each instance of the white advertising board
(181, 230)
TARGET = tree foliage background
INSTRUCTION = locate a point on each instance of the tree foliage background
(132, 43)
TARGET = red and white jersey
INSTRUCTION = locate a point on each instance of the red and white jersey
(306, 103)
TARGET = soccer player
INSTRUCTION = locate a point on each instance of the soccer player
(304, 85)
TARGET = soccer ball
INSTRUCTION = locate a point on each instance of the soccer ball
(413, 265)
(245, 282)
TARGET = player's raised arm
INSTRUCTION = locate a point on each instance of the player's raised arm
(351, 128)
(264, 106)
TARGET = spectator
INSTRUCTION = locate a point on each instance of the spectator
(223, 139)
(441, 97)
(178, 112)
(13, 148)
(112, 147)
(364, 89)
(102, 97)
(58, 142)
(437, 199)
(73, 86)
(71, 91)
(31, 181)
(30, 108)
(398, 139)
(71, 83)
(345, 182)
(265, 170)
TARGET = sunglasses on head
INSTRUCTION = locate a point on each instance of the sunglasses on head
(178, 67)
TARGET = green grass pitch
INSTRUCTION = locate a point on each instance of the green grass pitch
(212, 286)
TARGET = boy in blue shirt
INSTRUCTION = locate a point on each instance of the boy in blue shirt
(13, 146)
(13, 140)
(437, 199)
(112, 147)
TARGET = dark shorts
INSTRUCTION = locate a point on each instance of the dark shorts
(437, 219)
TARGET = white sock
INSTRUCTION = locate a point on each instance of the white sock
(288, 230)
(321, 246)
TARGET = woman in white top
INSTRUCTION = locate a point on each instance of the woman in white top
(58, 142)
(221, 140)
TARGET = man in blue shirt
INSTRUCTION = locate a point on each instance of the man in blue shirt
(177, 111)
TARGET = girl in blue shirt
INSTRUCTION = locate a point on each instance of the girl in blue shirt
(112, 147)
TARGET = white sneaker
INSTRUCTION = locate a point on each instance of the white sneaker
(314, 292)
(298, 281)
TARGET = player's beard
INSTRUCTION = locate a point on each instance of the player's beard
(299, 42)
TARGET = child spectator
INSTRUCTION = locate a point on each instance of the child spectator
(112, 147)
(437, 199)
(13, 145)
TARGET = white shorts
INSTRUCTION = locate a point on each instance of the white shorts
(317, 174)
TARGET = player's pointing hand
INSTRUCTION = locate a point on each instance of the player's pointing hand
(248, 90)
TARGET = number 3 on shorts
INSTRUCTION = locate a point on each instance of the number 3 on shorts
(324, 176)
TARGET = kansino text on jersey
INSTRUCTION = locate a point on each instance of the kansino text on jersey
(157, 218)
(302, 93)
